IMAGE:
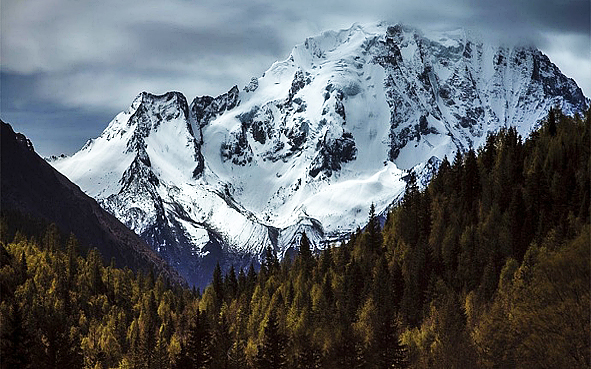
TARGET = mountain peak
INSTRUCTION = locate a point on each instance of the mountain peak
(310, 144)
(205, 108)
(30, 187)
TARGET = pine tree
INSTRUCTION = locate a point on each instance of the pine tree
(381, 288)
(374, 231)
(195, 352)
(15, 340)
(470, 185)
(410, 208)
(552, 123)
(270, 263)
(251, 279)
(346, 353)
(236, 356)
(241, 282)
(307, 356)
(218, 285)
(72, 262)
(23, 268)
(221, 342)
(95, 264)
(230, 284)
(272, 350)
(148, 324)
(326, 262)
(51, 239)
(391, 353)
(305, 255)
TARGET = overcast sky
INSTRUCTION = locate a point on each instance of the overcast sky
(68, 66)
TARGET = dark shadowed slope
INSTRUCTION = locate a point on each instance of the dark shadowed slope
(31, 187)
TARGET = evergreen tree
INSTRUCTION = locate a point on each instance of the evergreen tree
(15, 340)
(23, 268)
(148, 325)
(391, 353)
(72, 263)
(218, 285)
(552, 123)
(271, 352)
(270, 262)
(231, 284)
(410, 221)
(95, 265)
(241, 281)
(221, 343)
(470, 185)
(251, 279)
(236, 356)
(307, 356)
(346, 353)
(374, 231)
(305, 255)
(51, 239)
(195, 352)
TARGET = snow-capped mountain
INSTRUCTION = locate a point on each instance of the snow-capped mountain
(310, 144)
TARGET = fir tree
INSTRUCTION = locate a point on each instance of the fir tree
(391, 353)
(51, 239)
(15, 340)
(218, 284)
(195, 353)
(271, 352)
(270, 263)
(23, 268)
(374, 233)
(552, 123)
(231, 284)
(305, 255)
(307, 355)
(241, 281)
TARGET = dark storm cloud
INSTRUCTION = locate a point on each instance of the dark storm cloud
(186, 43)
(44, 122)
(562, 16)
(85, 61)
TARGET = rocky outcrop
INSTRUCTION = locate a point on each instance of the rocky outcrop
(206, 108)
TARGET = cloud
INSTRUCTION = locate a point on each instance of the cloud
(142, 39)
(95, 57)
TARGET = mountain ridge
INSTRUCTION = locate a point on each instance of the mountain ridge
(348, 112)
(33, 188)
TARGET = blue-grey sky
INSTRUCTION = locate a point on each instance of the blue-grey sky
(68, 66)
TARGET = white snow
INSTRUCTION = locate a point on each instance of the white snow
(242, 202)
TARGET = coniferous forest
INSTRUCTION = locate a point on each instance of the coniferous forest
(487, 267)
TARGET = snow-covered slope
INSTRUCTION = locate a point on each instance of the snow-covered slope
(310, 144)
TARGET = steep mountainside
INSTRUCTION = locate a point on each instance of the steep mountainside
(31, 187)
(310, 144)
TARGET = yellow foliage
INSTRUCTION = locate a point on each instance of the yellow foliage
(367, 322)
(542, 319)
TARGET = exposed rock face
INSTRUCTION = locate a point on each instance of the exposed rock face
(206, 108)
(310, 144)
(332, 152)
(457, 85)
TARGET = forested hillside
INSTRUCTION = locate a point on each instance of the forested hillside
(489, 266)
(33, 195)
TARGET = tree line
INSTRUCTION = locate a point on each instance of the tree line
(488, 266)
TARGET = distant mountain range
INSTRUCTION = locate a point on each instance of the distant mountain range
(308, 146)
(32, 189)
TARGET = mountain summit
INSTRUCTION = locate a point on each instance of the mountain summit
(312, 143)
